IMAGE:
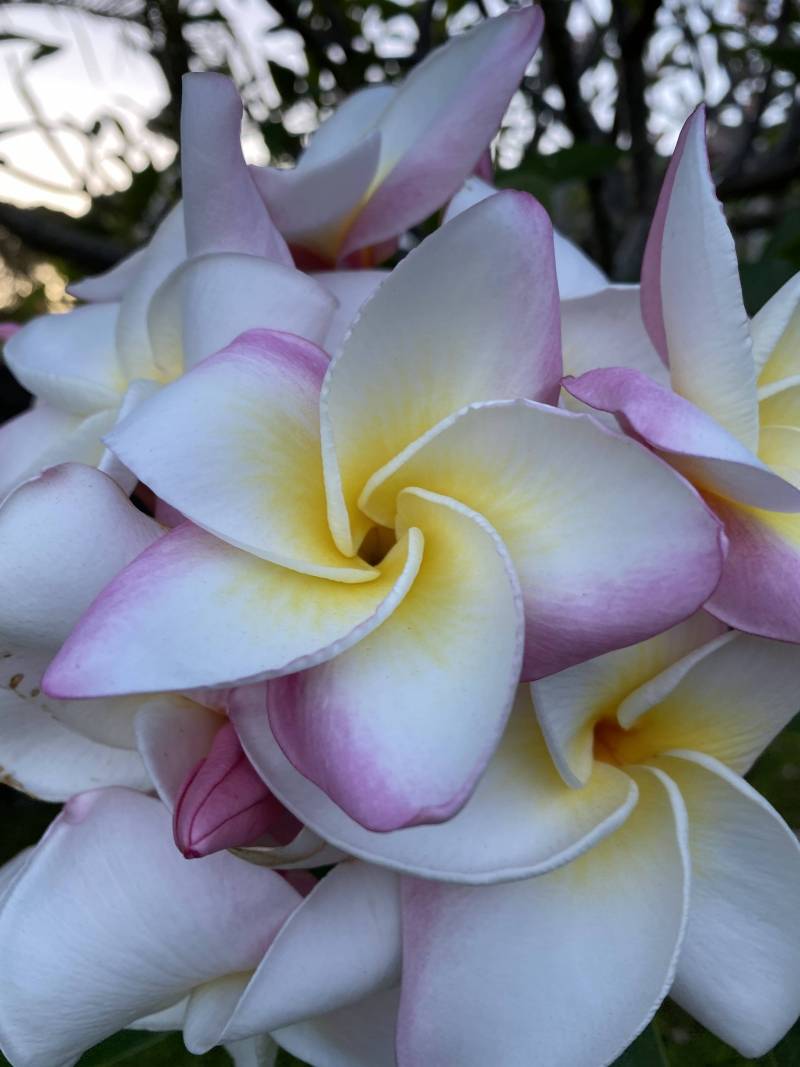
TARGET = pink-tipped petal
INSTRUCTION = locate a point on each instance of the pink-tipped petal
(688, 438)
(493, 838)
(247, 470)
(191, 611)
(691, 294)
(441, 120)
(759, 591)
(590, 526)
(223, 210)
(223, 803)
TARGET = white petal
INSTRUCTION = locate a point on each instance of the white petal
(739, 971)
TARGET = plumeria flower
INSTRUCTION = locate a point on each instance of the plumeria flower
(106, 924)
(216, 266)
(659, 869)
(397, 534)
(390, 156)
(737, 442)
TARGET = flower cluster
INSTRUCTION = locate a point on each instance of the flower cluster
(399, 639)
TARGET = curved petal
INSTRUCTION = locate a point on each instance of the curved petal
(222, 208)
(739, 971)
(398, 729)
(434, 337)
(691, 294)
(167, 248)
(776, 335)
(352, 289)
(590, 525)
(43, 436)
(70, 361)
(63, 536)
(312, 205)
(686, 436)
(577, 275)
(570, 703)
(207, 303)
(124, 926)
(729, 700)
(759, 591)
(362, 1035)
(173, 734)
(340, 945)
(249, 470)
(520, 821)
(572, 964)
(192, 611)
(41, 750)
(440, 122)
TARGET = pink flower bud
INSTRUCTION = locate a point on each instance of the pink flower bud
(223, 803)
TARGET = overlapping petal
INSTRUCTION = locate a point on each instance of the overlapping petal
(193, 611)
(130, 931)
(572, 964)
(739, 970)
(397, 729)
(435, 337)
(760, 584)
(341, 945)
(690, 439)
(520, 821)
(361, 1035)
(43, 436)
(352, 289)
(589, 524)
(210, 300)
(570, 703)
(691, 294)
(249, 469)
(728, 699)
(54, 749)
(444, 115)
(63, 536)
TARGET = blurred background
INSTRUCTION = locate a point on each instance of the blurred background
(89, 118)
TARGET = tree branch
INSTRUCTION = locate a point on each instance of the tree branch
(48, 232)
